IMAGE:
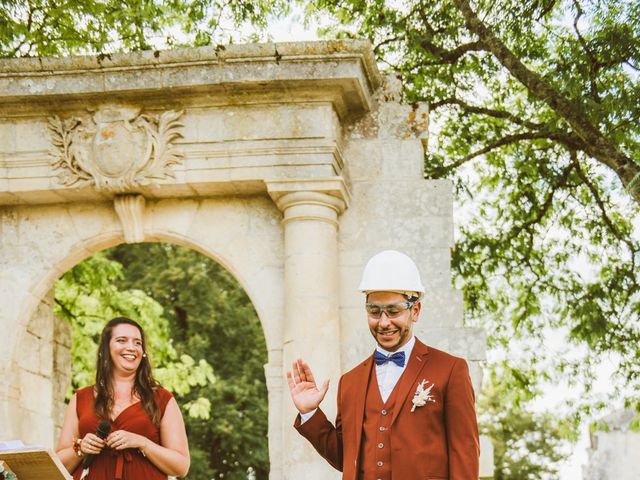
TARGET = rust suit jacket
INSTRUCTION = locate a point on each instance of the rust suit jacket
(436, 441)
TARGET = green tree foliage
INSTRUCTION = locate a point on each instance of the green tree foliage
(87, 296)
(67, 27)
(527, 445)
(210, 317)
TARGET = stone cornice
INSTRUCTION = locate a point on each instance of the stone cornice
(239, 120)
(223, 168)
(342, 71)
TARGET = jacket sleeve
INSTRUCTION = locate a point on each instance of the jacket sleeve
(463, 444)
(324, 437)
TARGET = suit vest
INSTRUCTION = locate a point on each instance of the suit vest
(375, 449)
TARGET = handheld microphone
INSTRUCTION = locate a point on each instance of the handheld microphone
(103, 432)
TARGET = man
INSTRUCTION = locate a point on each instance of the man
(407, 412)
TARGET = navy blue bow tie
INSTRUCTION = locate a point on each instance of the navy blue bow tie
(381, 358)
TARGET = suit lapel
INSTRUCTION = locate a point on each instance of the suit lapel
(417, 361)
(362, 383)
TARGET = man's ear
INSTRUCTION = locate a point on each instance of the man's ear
(417, 308)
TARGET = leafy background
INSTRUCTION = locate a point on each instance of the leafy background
(205, 342)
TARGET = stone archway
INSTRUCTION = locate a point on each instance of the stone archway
(283, 162)
(45, 338)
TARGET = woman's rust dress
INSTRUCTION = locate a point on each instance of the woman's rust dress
(127, 464)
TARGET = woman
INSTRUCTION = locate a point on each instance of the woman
(147, 438)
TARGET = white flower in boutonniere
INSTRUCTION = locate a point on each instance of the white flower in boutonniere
(422, 395)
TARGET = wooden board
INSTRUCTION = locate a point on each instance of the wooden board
(36, 464)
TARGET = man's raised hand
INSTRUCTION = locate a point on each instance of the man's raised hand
(302, 386)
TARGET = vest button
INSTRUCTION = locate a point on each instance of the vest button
(383, 412)
(382, 429)
(381, 445)
(380, 463)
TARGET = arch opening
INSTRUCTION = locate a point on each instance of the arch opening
(198, 309)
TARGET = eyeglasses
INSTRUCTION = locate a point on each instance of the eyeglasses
(392, 310)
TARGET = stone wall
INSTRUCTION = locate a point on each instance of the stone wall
(613, 453)
(394, 207)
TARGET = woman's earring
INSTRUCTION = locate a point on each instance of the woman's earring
(144, 355)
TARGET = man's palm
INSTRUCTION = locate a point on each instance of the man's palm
(303, 388)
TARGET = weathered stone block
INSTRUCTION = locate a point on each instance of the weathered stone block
(36, 393)
(31, 136)
(469, 343)
(62, 332)
(30, 353)
(7, 141)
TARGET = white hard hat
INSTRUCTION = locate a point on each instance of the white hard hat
(391, 271)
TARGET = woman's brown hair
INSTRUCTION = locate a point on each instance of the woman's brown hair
(144, 383)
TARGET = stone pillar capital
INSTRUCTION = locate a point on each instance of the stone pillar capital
(322, 200)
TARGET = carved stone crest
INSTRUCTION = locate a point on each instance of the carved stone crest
(117, 148)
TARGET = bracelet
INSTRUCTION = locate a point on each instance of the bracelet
(76, 447)
(144, 447)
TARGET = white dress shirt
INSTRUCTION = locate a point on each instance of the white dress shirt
(387, 374)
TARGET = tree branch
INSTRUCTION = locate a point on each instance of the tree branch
(29, 26)
(384, 42)
(65, 309)
(593, 70)
(486, 111)
(546, 205)
(139, 36)
(425, 22)
(595, 144)
(444, 55)
(565, 139)
(404, 28)
(601, 206)
(635, 67)
(448, 56)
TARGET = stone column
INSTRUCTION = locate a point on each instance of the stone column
(273, 375)
(312, 323)
(37, 405)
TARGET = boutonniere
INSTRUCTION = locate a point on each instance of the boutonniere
(422, 395)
